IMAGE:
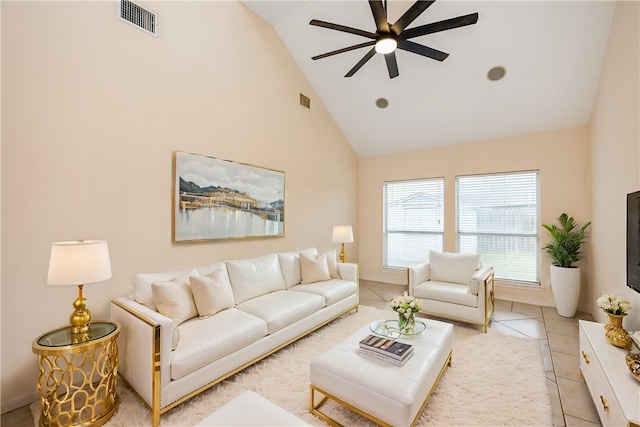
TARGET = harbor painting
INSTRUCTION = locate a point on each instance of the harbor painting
(221, 199)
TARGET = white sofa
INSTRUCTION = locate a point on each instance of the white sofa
(184, 331)
(454, 286)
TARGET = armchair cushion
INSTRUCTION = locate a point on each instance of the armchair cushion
(453, 267)
(453, 293)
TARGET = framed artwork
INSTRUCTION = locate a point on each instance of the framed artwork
(221, 199)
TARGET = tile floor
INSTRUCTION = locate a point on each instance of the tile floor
(558, 336)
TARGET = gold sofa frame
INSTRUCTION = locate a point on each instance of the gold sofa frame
(156, 411)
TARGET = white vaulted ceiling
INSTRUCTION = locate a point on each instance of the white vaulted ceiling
(552, 50)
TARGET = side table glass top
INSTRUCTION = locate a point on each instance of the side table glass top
(63, 336)
(389, 328)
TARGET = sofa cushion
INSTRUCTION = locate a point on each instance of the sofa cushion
(453, 267)
(332, 290)
(211, 293)
(203, 341)
(142, 285)
(454, 293)
(290, 266)
(206, 270)
(314, 268)
(254, 277)
(282, 308)
(174, 299)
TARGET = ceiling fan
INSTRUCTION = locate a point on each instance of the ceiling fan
(388, 37)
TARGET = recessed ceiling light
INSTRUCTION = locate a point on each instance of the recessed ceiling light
(496, 73)
(382, 102)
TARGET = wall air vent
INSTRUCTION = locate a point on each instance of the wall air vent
(305, 101)
(138, 16)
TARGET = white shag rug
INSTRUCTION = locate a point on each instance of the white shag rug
(494, 380)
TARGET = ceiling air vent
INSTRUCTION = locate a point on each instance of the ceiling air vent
(138, 16)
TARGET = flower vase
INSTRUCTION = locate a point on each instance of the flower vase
(615, 333)
(407, 323)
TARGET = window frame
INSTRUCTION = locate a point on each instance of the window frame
(535, 235)
(386, 232)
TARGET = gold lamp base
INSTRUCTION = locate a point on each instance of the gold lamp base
(81, 317)
(343, 256)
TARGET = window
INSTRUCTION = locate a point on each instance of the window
(413, 221)
(497, 216)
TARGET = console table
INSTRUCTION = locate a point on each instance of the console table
(615, 392)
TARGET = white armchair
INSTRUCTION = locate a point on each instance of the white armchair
(454, 286)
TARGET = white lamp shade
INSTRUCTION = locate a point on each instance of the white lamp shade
(79, 262)
(342, 234)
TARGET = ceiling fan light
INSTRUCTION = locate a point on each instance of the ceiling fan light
(386, 45)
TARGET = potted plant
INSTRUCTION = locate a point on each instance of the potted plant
(564, 251)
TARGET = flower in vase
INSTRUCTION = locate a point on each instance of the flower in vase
(406, 304)
(613, 304)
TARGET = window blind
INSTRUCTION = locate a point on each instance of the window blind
(497, 216)
(413, 221)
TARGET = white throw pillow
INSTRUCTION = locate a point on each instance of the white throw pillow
(332, 262)
(290, 265)
(211, 293)
(142, 285)
(174, 299)
(314, 268)
(453, 267)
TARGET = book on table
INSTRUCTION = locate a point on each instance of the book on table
(386, 346)
(376, 355)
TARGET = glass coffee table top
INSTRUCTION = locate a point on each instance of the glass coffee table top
(389, 328)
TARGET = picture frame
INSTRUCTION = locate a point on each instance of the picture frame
(222, 199)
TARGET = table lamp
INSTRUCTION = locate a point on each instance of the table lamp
(342, 234)
(78, 263)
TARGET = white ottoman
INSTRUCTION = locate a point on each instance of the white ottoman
(251, 409)
(387, 394)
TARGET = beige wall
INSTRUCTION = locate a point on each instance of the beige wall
(562, 157)
(615, 152)
(92, 109)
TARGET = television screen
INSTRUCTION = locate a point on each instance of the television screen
(633, 241)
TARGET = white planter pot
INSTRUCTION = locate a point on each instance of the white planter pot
(565, 284)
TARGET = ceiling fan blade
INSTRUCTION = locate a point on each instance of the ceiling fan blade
(360, 63)
(379, 16)
(422, 50)
(410, 15)
(346, 49)
(436, 27)
(343, 28)
(392, 64)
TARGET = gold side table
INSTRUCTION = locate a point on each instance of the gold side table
(78, 372)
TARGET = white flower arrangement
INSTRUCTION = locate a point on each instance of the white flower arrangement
(613, 304)
(405, 304)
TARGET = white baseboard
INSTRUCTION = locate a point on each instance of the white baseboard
(527, 301)
(19, 402)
